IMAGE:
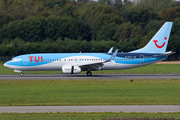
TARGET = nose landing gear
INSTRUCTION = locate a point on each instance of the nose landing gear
(21, 74)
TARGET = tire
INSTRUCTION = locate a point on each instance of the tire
(21, 74)
(89, 73)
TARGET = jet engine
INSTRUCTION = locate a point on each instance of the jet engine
(68, 69)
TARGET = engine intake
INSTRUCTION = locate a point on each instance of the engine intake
(68, 69)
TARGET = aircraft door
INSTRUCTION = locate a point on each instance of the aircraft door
(141, 58)
(25, 60)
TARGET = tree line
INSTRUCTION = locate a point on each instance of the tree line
(61, 26)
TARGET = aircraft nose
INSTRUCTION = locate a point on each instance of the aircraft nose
(5, 64)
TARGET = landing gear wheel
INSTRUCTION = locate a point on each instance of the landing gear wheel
(21, 74)
(89, 73)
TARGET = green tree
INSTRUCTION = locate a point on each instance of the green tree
(5, 20)
(174, 42)
(67, 10)
(169, 14)
(141, 17)
(52, 3)
(3, 50)
(153, 25)
(100, 46)
(83, 31)
(118, 4)
(126, 31)
(17, 44)
(107, 32)
(98, 15)
(152, 5)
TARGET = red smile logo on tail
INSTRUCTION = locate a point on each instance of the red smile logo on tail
(155, 41)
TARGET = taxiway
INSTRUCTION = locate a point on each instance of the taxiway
(107, 108)
(83, 76)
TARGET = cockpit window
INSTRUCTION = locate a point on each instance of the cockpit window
(15, 60)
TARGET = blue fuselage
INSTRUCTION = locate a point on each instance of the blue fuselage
(91, 61)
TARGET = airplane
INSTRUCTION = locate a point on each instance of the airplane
(74, 63)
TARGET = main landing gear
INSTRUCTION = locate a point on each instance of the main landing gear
(21, 74)
(89, 73)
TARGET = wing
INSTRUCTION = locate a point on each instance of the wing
(92, 66)
(98, 65)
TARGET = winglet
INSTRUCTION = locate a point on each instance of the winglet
(112, 56)
(110, 51)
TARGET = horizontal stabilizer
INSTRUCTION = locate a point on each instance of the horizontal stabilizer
(165, 54)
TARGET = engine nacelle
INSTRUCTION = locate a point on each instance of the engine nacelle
(69, 69)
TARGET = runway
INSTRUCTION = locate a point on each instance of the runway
(108, 108)
(83, 76)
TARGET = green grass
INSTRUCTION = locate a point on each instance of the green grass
(89, 92)
(156, 68)
(82, 116)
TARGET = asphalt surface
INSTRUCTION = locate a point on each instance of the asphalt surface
(107, 108)
(83, 76)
